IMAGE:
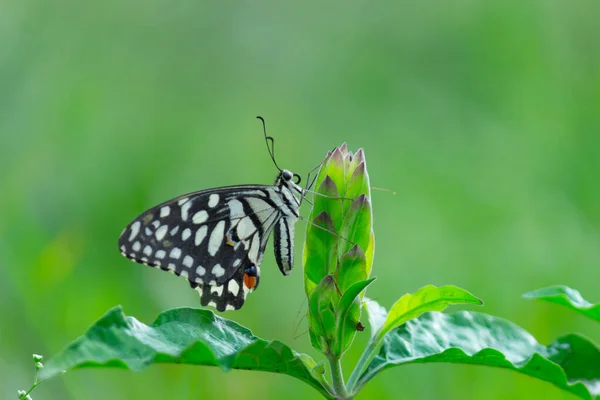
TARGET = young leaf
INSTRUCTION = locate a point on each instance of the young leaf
(353, 264)
(319, 251)
(182, 336)
(356, 225)
(565, 296)
(377, 314)
(321, 314)
(428, 298)
(346, 319)
(571, 362)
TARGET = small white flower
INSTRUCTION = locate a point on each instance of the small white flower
(37, 357)
(39, 365)
(21, 393)
(28, 397)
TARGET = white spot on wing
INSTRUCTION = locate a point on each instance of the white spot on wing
(258, 206)
(200, 217)
(212, 304)
(237, 262)
(174, 230)
(233, 287)
(123, 249)
(186, 234)
(246, 290)
(218, 290)
(148, 250)
(175, 253)
(161, 232)
(182, 201)
(254, 247)
(136, 246)
(218, 271)
(184, 274)
(156, 224)
(188, 261)
(199, 289)
(258, 193)
(160, 254)
(135, 229)
(229, 307)
(148, 231)
(200, 270)
(165, 211)
(200, 235)
(184, 210)
(216, 238)
(236, 209)
(213, 200)
(245, 228)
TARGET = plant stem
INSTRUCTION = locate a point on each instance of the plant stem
(337, 378)
(35, 383)
(365, 359)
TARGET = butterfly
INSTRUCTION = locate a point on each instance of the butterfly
(216, 238)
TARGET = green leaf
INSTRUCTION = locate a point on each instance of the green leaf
(359, 181)
(353, 268)
(565, 296)
(571, 362)
(356, 226)
(351, 294)
(428, 298)
(182, 336)
(319, 251)
(347, 320)
(376, 313)
(332, 205)
(334, 167)
(409, 306)
(321, 315)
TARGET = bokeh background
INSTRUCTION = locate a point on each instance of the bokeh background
(484, 117)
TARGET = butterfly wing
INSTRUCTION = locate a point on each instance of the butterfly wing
(214, 238)
(284, 243)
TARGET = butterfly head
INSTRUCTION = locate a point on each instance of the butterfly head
(287, 177)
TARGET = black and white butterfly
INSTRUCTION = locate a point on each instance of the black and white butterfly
(216, 238)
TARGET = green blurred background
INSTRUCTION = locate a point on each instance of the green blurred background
(484, 117)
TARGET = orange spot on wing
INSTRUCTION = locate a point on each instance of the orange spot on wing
(249, 281)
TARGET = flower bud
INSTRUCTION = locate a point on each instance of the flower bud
(338, 250)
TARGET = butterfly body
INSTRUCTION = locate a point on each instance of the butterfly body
(216, 238)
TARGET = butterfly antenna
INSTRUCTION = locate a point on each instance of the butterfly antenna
(328, 197)
(301, 218)
(302, 334)
(383, 190)
(310, 183)
(269, 139)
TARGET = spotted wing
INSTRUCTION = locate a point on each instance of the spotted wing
(231, 295)
(214, 238)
